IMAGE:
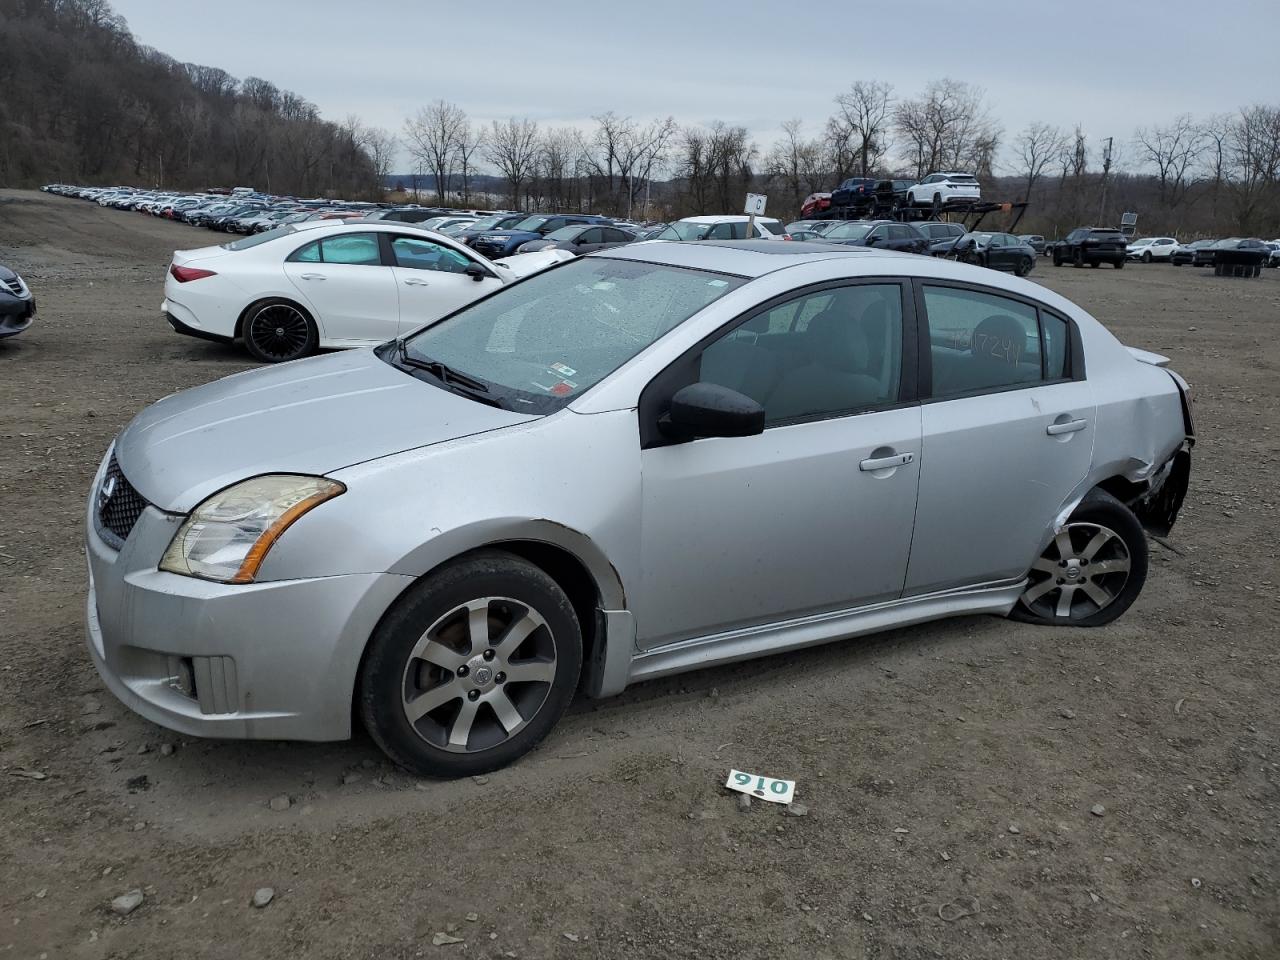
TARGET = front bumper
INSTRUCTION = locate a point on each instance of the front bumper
(16, 314)
(275, 660)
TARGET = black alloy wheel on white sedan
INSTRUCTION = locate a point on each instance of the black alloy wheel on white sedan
(276, 331)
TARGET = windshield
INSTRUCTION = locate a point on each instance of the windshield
(1140, 243)
(685, 231)
(530, 223)
(540, 343)
(244, 243)
(848, 231)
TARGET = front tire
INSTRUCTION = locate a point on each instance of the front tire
(1078, 259)
(471, 668)
(1119, 264)
(1146, 257)
(277, 330)
(1091, 572)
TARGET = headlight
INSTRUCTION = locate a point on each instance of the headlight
(227, 537)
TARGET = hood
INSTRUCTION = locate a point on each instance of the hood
(311, 416)
(523, 264)
(6, 273)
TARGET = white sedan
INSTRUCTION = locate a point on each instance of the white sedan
(329, 284)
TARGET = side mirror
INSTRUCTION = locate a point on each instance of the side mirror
(872, 240)
(710, 410)
(476, 272)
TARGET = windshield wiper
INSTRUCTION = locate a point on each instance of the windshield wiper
(459, 383)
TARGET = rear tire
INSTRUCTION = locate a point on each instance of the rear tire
(1091, 572)
(1119, 264)
(1057, 258)
(1024, 266)
(278, 330)
(487, 654)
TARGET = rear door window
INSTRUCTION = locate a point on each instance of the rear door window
(981, 342)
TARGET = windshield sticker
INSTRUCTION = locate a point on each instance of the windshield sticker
(563, 369)
(603, 285)
(717, 283)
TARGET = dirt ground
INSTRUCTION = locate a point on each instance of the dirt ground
(947, 769)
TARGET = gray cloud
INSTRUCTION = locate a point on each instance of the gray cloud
(754, 62)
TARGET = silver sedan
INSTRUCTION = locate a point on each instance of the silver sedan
(666, 457)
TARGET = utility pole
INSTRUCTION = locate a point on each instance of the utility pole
(1106, 170)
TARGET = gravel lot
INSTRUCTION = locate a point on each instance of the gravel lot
(947, 770)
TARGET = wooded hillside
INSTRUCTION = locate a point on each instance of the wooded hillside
(82, 101)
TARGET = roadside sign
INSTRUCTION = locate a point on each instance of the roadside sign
(755, 204)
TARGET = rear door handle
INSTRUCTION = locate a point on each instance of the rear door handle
(415, 282)
(313, 276)
(886, 463)
(1071, 426)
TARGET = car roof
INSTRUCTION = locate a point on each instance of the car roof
(744, 258)
(722, 218)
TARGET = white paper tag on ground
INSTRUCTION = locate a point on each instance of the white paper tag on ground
(762, 788)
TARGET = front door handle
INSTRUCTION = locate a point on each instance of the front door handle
(416, 282)
(886, 463)
(1070, 426)
(314, 276)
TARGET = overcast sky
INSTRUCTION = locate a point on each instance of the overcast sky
(1109, 66)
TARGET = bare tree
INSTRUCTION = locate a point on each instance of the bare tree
(432, 137)
(1255, 160)
(513, 148)
(470, 141)
(947, 127)
(1038, 146)
(1172, 150)
(863, 114)
(795, 163)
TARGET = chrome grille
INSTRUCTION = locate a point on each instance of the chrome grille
(14, 286)
(118, 506)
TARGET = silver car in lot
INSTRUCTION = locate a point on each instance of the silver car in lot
(665, 457)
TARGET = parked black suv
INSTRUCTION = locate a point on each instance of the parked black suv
(1091, 245)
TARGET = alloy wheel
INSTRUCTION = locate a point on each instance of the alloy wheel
(1082, 571)
(280, 331)
(479, 674)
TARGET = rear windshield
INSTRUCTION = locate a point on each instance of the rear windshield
(1107, 234)
(960, 178)
(848, 231)
(685, 231)
(244, 243)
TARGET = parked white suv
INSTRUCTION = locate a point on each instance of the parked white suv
(939, 188)
(1151, 248)
(727, 227)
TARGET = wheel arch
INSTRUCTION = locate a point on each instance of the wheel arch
(570, 558)
(238, 332)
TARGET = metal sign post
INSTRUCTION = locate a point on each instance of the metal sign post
(753, 209)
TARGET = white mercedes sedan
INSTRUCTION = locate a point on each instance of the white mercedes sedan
(325, 284)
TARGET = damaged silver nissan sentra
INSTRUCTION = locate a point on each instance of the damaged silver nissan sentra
(665, 457)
